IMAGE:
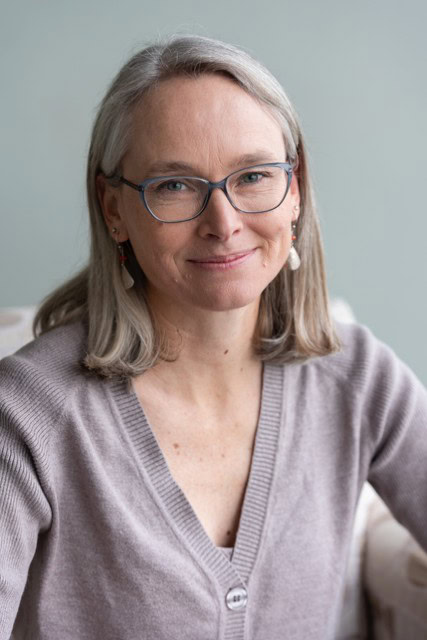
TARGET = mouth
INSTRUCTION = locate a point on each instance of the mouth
(223, 261)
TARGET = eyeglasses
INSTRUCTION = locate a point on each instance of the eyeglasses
(256, 189)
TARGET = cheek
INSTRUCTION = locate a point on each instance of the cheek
(278, 234)
(278, 239)
(156, 247)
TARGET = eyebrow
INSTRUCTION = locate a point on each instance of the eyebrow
(260, 156)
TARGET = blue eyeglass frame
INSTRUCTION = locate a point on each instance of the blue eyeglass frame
(222, 184)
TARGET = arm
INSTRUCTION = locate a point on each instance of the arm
(24, 509)
(396, 416)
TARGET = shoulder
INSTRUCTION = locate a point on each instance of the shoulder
(365, 366)
(55, 355)
(36, 381)
(360, 350)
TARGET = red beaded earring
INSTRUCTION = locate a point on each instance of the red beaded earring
(127, 279)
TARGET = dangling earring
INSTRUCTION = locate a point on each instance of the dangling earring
(127, 279)
(294, 260)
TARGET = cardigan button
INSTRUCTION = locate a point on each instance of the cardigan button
(236, 598)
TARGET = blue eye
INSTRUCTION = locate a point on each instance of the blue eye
(250, 178)
(173, 186)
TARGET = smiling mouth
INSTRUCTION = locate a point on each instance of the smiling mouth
(223, 262)
(231, 257)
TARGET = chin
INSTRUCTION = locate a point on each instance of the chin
(229, 299)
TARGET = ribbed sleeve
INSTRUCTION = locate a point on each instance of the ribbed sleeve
(34, 387)
(24, 466)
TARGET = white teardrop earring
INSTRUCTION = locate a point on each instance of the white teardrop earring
(127, 279)
(294, 260)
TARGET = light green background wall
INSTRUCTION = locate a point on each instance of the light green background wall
(356, 72)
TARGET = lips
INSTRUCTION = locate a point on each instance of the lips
(221, 263)
(223, 259)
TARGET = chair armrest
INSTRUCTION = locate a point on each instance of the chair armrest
(15, 328)
(395, 578)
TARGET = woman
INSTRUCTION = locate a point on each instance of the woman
(184, 445)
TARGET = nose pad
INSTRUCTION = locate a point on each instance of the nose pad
(220, 218)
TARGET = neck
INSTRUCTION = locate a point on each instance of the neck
(211, 351)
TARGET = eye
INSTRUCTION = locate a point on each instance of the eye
(251, 178)
(171, 185)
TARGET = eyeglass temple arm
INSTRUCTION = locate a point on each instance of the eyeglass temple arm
(137, 187)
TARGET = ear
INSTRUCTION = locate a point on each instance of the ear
(295, 197)
(109, 197)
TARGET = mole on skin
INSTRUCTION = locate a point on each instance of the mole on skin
(225, 352)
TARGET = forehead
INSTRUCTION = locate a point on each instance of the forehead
(203, 121)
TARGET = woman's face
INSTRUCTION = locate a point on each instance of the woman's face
(206, 127)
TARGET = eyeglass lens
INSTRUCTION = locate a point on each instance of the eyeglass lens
(251, 190)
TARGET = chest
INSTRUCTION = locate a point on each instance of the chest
(209, 457)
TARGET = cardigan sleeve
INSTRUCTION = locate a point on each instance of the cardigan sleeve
(24, 508)
(394, 416)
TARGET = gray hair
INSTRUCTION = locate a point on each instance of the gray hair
(294, 321)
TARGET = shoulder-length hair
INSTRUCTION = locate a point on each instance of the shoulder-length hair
(294, 321)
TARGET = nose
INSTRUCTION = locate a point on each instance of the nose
(220, 220)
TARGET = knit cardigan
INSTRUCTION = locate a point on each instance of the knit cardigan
(98, 541)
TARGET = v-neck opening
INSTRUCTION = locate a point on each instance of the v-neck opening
(175, 503)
